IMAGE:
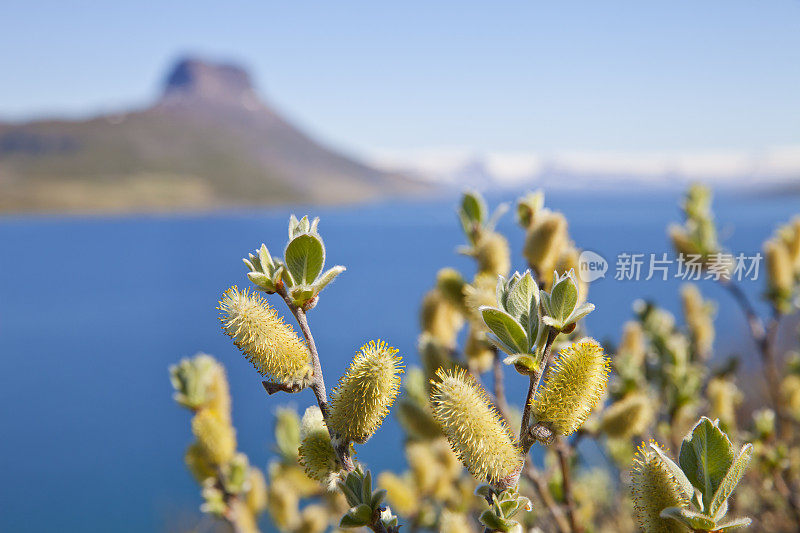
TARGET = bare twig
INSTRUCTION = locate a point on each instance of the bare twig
(564, 452)
(764, 337)
(543, 491)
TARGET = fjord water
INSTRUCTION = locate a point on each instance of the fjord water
(93, 310)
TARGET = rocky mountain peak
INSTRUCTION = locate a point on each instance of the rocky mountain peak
(197, 79)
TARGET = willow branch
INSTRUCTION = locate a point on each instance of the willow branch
(525, 438)
(764, 337)
(564, 452)
(318, 380)
(543, 491)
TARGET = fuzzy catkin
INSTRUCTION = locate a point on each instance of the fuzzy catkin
(198, 463)
(544, 243)
(627, 417)
(366, 391)
(316, 453)
(267, 341)
(779, 267)
(217, 439)
(476, 432)
(493, 254)
(573, 387)
(654, 489)
(256, 497)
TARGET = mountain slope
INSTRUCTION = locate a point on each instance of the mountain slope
(208, 141)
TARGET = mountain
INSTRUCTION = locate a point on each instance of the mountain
(208, 141)
(773, 170)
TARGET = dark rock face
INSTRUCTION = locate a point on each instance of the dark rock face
(218, 82)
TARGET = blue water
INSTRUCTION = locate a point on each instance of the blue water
(93, 310)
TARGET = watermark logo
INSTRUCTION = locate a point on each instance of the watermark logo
(591, 266)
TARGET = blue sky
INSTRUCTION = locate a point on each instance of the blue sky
(492, 76)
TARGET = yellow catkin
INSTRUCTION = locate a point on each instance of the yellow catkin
(654, 489)
(482, 291)
(451, 286)
(216, 439)
(790, 393)
(283, 504)
(440, 318)
(245, 521)
(724, 398)
(317, 456)
(699, 315)
(627, 417)
(403, 495)
(313, 519)
(632, 343)
(545, 242)
(779, 267)
(267, 341)
(220, 395)
(476, 432)
(478, 351)
(453, 522)
(256, 496)
(198, 463)
(493, 254)
(573, 388)
(366, 391)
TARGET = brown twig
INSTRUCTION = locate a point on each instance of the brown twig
(543, 491)
(564, 452)
(764, 337)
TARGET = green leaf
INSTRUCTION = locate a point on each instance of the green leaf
(582, 310)
(305, 257)
(520, 297)
(494, 522)
(680, 477)
(349, 494)
(527, 362)
(691, 519)
(474, 207)
(705, 457)
(731, 479)
(377, 498)
(563, 299)
(264, 258)
(328, 277)
(508, 330)
(509, 508)
(359, 516)
(734, 523)
(262, 280)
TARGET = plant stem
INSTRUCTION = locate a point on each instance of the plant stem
(764, 338)
(543, 491)
(564, 452)
(318, 381)
(535, 379)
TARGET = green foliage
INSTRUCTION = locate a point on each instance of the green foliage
(504, 507)
(365, 503)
